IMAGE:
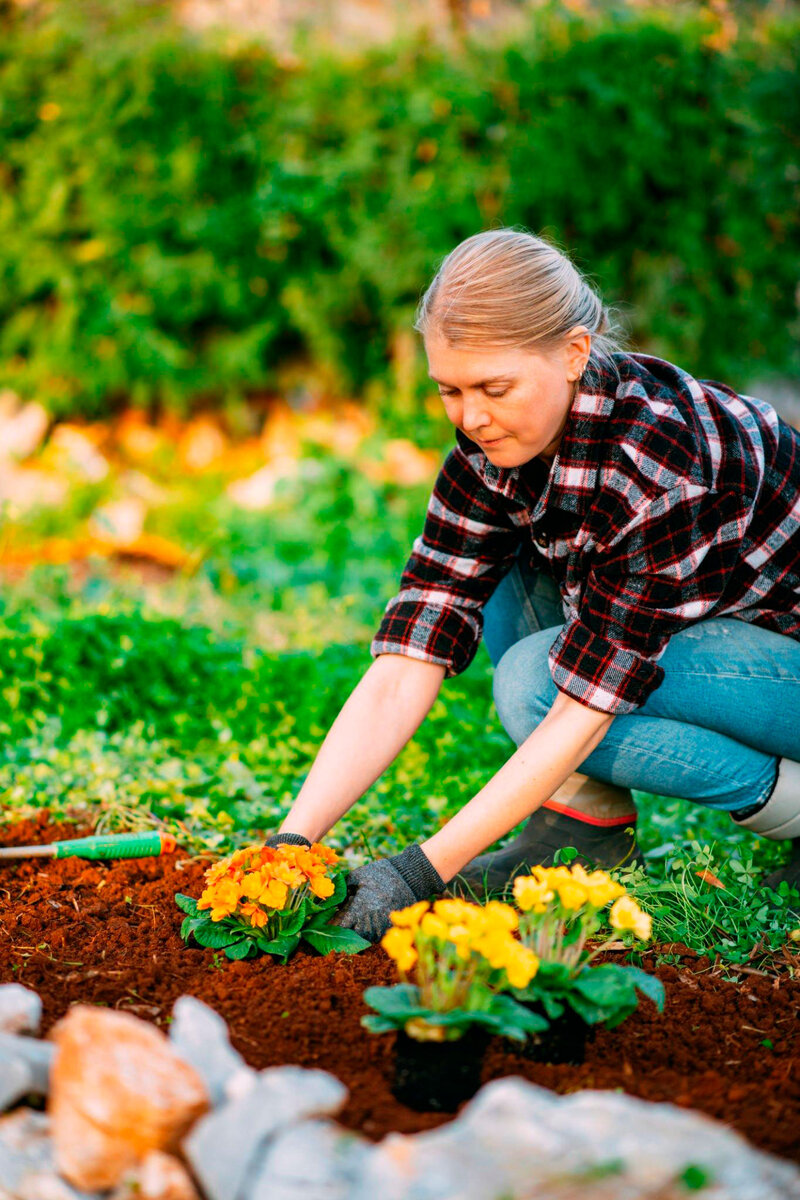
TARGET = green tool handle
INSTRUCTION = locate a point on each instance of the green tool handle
(116, 845)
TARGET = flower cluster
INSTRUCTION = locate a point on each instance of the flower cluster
(573, 887)
(560, 907)
(253, 883)
(456, 946)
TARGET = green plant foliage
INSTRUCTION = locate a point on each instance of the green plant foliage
(399, 1007)
(200, 708)
(181, 218)
(308, 922)
(604, 994)
(741, 922)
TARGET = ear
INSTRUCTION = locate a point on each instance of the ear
(576, 351)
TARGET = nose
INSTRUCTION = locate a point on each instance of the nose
(473, 414)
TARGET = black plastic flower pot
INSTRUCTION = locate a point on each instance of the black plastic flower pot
(438, 1076)
(564, 1041)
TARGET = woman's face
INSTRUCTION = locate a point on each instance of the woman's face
(513, 403)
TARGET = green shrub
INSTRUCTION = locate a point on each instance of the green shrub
(180, 219)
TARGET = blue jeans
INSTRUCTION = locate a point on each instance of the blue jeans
(727, 710)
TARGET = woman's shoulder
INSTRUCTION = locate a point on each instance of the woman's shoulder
(689, 429)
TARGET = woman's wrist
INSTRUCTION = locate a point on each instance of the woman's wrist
(286, 838)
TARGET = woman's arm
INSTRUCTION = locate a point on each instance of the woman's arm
(382, 712)
(557, 746)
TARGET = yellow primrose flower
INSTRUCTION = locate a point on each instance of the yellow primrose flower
(461, 938)
(571, 894)
(495, 948)
(434, 927)
(601, 894)
(273, 894)
(254, 914)
(328, 855)
(601, 888)
(252, 885)
(501, 915)
(289, 874)
(409, 917)
(626, 914)
(399, 945)
(521, 965)
(322, 886)
(553, 875)
(454, 911)
(221, 898)
(532, 894)
(216, 872)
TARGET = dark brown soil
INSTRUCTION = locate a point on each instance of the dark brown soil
(108, 934)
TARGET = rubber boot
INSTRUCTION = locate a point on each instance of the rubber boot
(779, 818)
(598, 819)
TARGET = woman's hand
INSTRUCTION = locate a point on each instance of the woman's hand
(378, 888)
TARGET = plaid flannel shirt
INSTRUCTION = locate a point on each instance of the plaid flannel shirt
(670, 500)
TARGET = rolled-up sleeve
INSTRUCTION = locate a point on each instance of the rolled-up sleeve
(667, 570)
(468, 543)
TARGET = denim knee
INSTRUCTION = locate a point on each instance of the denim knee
(522, 687)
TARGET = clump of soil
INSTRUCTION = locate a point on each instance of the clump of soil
(107, 933)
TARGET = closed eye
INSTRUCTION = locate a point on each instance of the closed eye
(494, 395)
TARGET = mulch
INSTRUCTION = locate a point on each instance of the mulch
(107, 933)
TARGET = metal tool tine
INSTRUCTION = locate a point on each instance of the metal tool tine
(27, 851)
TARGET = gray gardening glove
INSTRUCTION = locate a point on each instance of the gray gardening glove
(287, 839)
(376, 889)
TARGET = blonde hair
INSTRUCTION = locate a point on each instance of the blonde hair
(506, 287)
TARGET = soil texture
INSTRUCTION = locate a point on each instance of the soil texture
(107, 933)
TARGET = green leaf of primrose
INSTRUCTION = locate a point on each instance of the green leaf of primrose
(188, 926)
(240, 949)
(611, 984)
(293, 925)
(376, 1024)
(339, 888)
(400, 1002)
(649, 985)
(186, 904)
(216, 937)
(280, 947)
(328, 938)
(606, 985)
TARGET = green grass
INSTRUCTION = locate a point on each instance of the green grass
(200, 704)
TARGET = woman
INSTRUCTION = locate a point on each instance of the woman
(644, 531)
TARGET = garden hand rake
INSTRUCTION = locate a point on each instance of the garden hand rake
(110, 845)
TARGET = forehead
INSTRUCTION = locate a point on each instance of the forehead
(460, 366)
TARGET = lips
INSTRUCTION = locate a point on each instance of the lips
(493, 441)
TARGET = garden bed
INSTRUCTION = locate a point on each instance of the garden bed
(108, 934)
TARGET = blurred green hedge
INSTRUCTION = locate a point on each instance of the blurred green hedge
(182, 217)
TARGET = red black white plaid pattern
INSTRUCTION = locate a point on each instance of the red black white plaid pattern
(670, 500)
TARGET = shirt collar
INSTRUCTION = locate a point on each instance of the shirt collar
(570, 483)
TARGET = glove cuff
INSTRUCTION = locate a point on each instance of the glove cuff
(287, 839)
(418, 872)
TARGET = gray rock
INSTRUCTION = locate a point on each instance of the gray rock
(201, 1038)
(25, 1148)
(20, 1009)
(317, 1160)
(37, 1054)
(517, 1140)
(226, 1146)
(16, 1081)
(46, 1185)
